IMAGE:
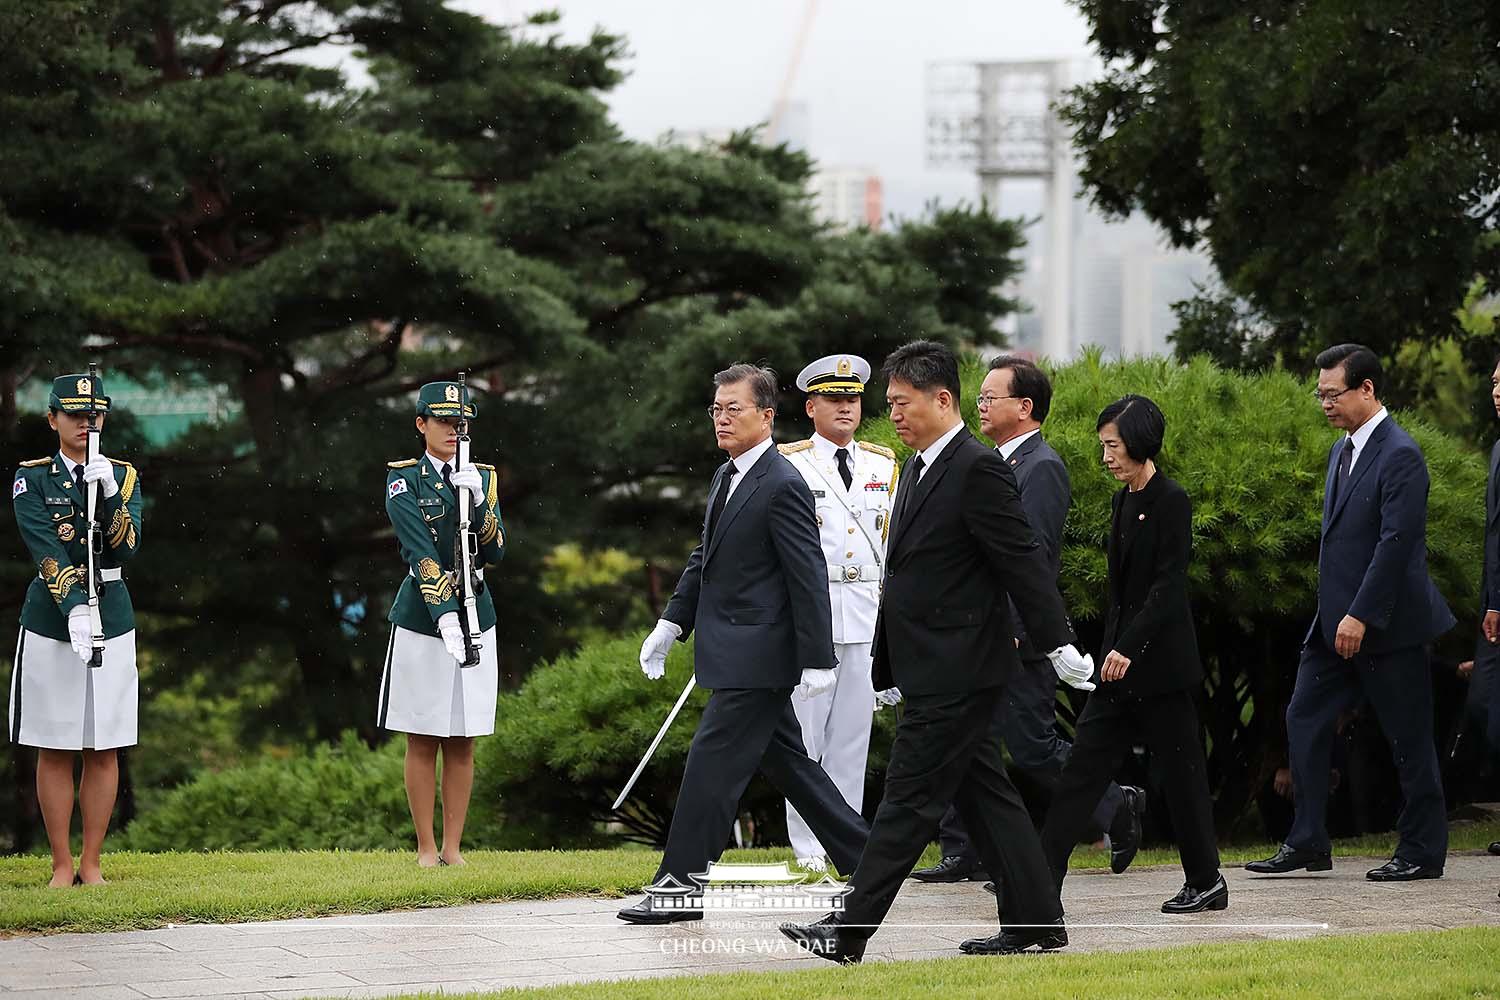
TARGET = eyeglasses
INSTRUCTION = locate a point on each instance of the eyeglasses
(734, 411)
(1331, 397)
(985, 402)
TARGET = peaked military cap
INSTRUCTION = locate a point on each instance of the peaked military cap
(441, 399)
(835, 375)
(78, 394)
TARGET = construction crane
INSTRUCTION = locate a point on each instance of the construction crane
(799, 44)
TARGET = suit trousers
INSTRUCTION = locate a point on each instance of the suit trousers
(1399, 687)
(1168, 726)
(744, 730)
(1027, 723)
(946, 751)
(836, 731)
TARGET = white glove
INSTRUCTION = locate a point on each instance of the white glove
(890, 696)
(468, 479)
(453, 635)
(102, 472)
(654, 649)
(1073, 668)
(814, 682)
(81, 633)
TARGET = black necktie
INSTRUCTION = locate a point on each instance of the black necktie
(844, 472)
(1346, 460)
(909, 480)
(78, 482)
(448, 478)
(720, 499)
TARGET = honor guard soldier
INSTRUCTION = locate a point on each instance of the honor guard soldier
(74, 683)
(852, 484)
(441, 670)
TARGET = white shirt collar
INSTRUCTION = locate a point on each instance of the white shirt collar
(437, 463)
(747, 461)
(1361, 437)
(932, 451)
(827, 450)
(1009, 448)
(69, 466)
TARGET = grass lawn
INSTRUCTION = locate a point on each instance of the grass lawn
(1412, 966)
(151, 890)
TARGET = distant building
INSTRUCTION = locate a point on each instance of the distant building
(848, 197)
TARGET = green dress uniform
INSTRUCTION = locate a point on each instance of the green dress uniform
(423, 689)
(56, 700)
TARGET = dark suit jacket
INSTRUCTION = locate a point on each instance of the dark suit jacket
(1046, 495)
(757, 592)
(1149, 619)
(1489, 580)
(1373, 560)
(960, 550)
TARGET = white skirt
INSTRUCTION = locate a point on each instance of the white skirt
(58, 702)
(425, 691)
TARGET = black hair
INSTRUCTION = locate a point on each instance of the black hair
(1140, 423)
(925, 365)
(1360, 363)
(1027, 381)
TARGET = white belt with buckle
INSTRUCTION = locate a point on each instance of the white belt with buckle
(853, 574)
(110, 575)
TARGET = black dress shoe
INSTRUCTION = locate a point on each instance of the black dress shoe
(1495, 847)
(952, 869)
(1396, 870)
(1190, 900)
(827, 938)
(1290, 859)
(1123, 848)
(1015, 942)
(645, 913)
(989, 887)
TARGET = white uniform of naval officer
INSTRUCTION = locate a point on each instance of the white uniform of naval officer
(852, 485)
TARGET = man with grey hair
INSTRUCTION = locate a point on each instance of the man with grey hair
(756, 591)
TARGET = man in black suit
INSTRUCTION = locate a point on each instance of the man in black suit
(960, 551)
(1014, 401)
(1377, 612)
(756, 591)
(1487, 656)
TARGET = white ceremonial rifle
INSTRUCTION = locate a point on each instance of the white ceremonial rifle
(671, 716)
(466, 541)
(95, 537)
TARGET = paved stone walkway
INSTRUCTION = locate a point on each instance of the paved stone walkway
(495, 945)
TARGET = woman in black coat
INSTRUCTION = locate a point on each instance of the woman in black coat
(1150, 671)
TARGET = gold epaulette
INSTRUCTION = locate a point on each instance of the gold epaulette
(794, 447)
(878, 449)
(481, 465)
(405, 463)
(127, 488)
(35, 462)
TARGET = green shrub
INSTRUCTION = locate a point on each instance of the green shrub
(345, 796)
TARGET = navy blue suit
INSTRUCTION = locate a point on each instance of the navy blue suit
(1373, 566)
(756, 592)
(1487, 657)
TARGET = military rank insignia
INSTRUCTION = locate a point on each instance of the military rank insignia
(397, 487)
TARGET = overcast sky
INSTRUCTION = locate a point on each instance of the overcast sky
(709, 64)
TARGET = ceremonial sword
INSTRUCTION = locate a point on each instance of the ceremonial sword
(681, 700)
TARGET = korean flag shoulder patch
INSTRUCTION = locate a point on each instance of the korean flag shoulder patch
(19, 488)
(397, 487)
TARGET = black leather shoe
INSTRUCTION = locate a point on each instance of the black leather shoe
(1122, 849)
(1015, 942)
(951, 869)
(1190, 900)
(989, 887)
(1290, 859)
(1495, 847)
(1396, 870)
(644, 913)
(827, 938)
